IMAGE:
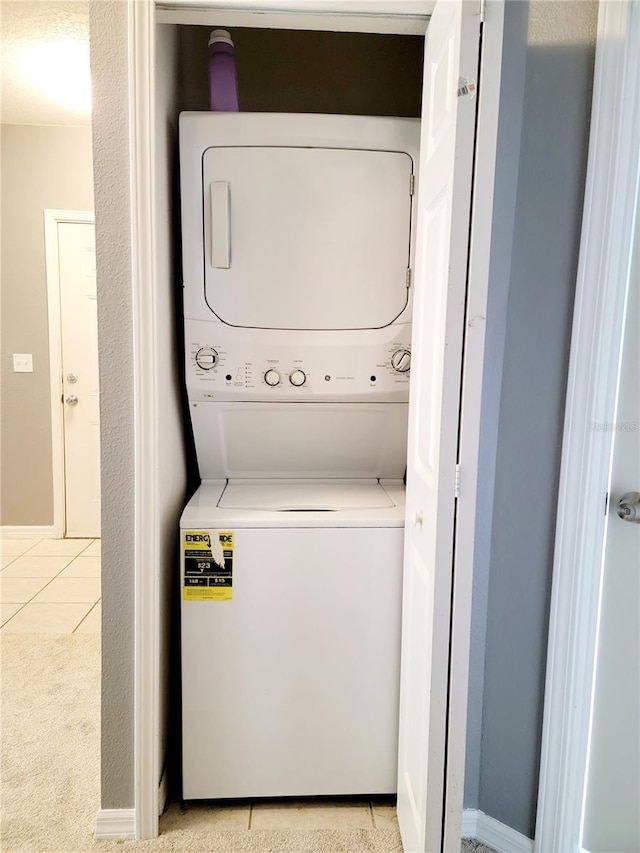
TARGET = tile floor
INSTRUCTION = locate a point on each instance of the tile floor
(326, 813)
(50, 586)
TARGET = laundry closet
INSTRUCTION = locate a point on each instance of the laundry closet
(293, 678)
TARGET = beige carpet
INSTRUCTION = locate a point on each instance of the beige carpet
(49, 713)
(49, 767)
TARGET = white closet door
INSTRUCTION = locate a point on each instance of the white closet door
(444, 200)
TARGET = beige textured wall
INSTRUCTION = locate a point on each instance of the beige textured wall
(109, 57)
(42, 167)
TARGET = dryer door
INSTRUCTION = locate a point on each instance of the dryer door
(306, 238)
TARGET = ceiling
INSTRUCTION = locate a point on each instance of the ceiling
(45, 62)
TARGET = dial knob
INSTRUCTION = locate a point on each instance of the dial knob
(297, 378)
(206, 358)
(272, 377)
(401, 361)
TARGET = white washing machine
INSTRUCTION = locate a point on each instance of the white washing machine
(297, 253)
(290, 687)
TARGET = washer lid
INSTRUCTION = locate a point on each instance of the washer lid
(304, 497)
(306, 238)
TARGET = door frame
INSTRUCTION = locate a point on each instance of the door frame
(52, 218)
(610, 216)
(473, 358)
(142, 18)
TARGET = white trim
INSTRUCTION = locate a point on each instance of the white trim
(402, 17)
(345, 22)
(472, 372)
(115, 824)
(52, 218)
(394, 8)
(476, 824)
(603, 276)
(469, 826)
(141, 26)
(29, 531)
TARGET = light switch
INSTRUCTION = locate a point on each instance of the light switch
(22, 362)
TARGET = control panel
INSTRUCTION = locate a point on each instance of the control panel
(260, 365)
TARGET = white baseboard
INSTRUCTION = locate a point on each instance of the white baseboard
(469, 823)
(489, 831)
(116, 823)
(29, 531)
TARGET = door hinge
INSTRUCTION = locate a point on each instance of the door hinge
(456, 489)
(408, 277)
(412, 184)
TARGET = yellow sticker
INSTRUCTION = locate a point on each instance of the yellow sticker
(208, 565)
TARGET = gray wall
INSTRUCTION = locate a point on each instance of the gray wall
(523, 419)
(42, 167)
(514, 56)
(108, 21)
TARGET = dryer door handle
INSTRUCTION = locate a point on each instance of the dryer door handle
(220, 231)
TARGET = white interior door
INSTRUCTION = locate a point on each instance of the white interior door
(612, 804)
(444, 201)
(79, 336)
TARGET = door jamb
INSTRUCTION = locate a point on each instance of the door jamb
(52, 218)
(141, 101)
(610, 216)
(473, 355)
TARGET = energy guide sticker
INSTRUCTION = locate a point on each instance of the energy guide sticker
(208, 565)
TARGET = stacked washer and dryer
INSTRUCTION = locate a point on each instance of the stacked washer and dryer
(297, 255)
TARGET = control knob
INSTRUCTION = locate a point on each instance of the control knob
(401, 360)
(297, 378)
(272, 377)
(206, 358)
